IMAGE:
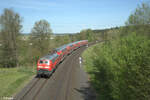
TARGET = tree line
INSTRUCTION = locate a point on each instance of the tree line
(15, 51)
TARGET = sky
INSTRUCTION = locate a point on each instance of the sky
(71, 16)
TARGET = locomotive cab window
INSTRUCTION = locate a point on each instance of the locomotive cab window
(41, 62)
(46, 62)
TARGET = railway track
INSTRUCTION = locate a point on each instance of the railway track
(39, 81)
(67, 78)
(42, 85)
(58, 86)
(36, 82)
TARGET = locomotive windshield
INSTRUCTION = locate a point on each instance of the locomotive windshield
(44, 62)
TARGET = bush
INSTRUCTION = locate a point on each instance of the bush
(120, 69)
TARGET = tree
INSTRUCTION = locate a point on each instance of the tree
(87, 35)
(40, 38)
(138, 22)
(140, 16)
(66, 39)
(10, 26)
(82, 35)
(90, 35)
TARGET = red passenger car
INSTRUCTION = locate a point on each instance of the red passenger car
(69, 48)
(62, 52)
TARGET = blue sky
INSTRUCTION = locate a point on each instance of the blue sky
(70, 16)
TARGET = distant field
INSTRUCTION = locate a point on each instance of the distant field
(13, 79)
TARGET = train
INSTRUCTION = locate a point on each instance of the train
(47, 64)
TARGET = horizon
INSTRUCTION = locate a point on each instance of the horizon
(73, 16)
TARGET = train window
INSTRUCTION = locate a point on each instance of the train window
(53, 60)
(41, 62)
(46, 62)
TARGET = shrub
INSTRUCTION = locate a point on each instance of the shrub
(121, 68)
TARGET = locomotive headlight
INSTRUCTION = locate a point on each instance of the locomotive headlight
(40, 66)
(47, 67)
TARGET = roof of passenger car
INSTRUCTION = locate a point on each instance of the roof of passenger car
(49, 57)
(69, 44)
(61, 48)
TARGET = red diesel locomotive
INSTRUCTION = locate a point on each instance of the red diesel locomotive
(47, 64)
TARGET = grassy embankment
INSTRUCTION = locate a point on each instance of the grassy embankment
(13, 79)
(120, 69)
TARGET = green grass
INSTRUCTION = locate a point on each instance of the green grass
(13, 79)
